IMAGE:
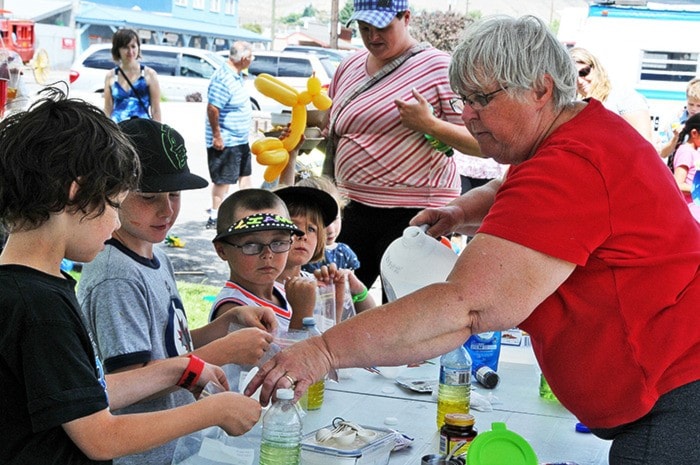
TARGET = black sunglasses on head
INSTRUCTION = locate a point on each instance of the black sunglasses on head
(583, 72)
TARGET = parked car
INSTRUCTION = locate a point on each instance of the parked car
(181, 70)
(293, 68)
(335, 56)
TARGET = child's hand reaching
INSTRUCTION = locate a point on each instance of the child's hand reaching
(255, 317)
(244, 347)
(210, 373)
(237, 413)
(331, 274)
(301, 295)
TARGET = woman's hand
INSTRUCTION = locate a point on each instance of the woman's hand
(417, 115)
(297, 367)
(441, 221)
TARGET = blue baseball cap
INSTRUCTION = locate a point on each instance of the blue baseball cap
(378, 13)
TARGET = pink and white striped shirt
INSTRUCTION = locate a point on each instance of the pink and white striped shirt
(379, 162)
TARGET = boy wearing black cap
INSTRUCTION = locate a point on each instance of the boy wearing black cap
(129, 295)
(64, 169)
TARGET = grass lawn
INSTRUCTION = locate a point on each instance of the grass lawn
(197, 299)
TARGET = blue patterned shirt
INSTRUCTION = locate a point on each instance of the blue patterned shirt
(226, 92)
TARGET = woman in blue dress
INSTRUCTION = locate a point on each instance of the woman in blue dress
(131, 89)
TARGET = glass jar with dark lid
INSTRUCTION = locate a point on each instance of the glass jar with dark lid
(458, 428)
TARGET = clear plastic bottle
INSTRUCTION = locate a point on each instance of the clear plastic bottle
(281, 432)
(313, 397)
(454, 389)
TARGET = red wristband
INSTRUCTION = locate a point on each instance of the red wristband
(192, 372)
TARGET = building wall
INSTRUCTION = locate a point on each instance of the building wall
(160, 6)
(222, 12)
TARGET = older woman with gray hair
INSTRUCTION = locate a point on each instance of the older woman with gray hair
(572, 246)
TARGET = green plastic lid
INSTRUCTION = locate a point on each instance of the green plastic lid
(500, 447)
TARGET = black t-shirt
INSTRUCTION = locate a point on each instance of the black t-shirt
(49, 374)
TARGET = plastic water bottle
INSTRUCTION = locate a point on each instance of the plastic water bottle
(281, 432)
(454, 389)
(414, 260)
(313, 397)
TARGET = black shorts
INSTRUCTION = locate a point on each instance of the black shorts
(227, 165)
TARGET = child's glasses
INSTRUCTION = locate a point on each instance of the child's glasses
(256, 248)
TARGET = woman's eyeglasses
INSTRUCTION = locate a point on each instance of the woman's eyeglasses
(256, 248)
(583, 72)
(477, 100)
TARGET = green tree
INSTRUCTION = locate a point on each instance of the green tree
(346, 12)
(442, 29)
(293, 18)
(309, 12)
(253, 27)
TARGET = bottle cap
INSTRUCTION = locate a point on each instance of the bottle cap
(308, 321)
(284, 394)
(509, 447)
(581, 428)
(459, 419)
(487, 377)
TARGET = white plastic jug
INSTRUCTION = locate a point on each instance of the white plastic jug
(414, 260)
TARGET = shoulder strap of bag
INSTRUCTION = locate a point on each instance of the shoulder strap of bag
(363, 86)
(378, 76)
(138, 96)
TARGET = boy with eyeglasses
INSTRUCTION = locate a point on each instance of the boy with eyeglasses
(129, 296)
(254, 236)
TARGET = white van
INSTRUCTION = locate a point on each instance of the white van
(181, 70)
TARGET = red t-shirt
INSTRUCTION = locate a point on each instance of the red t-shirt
(624, 328)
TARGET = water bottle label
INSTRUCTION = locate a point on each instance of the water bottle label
(455, 377)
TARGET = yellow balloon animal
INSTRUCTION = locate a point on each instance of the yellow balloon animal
(271, 151)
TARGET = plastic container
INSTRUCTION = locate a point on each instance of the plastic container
(454, 387)
(413, 261)
(500, 446)
(374, 452)
(281, 433)
(313, 397)
(484, 349)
